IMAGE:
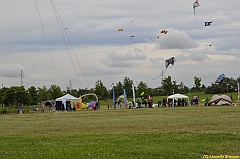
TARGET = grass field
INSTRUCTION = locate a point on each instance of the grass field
(180, 132)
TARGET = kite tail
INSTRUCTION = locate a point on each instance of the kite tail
(194, 13)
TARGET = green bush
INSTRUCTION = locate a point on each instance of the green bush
(4, 111)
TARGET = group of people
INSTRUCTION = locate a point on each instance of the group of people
(172, 103)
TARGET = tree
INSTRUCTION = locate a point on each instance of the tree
(127, 85)
(15, 96)
(54, 92)
(33, 95)
(142, 87)
(197, 82)
(167, 86)
(2, 90)
(43, 94)
(101, 90)
(118, 89)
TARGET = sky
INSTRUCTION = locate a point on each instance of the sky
(58, 41)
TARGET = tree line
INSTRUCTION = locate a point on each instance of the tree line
(16, 95)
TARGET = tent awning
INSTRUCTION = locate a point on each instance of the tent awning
(67, 97)
(178, 96)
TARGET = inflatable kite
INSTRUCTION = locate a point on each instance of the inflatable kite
(170, 61)
(120, 29)
(195, 5)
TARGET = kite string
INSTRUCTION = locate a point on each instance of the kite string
(55, 12)
(81, 69)
(44, 34)
(71, 46)
(164, 71)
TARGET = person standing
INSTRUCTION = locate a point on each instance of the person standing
(20, 109)
(119, 104)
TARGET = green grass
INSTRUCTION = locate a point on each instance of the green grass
(180, 132)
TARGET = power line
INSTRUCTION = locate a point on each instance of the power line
(21, 76)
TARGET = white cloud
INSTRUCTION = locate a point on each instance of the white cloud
(175, 39)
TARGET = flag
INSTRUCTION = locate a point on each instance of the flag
(238, 90)
(125, 97)
(195, 5)
(208, 23)
(133, 90)
(142, 93)
(113, 95)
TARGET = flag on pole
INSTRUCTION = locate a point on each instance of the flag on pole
(133, 90)
(238, 90)
(125, 97)
(113, 95)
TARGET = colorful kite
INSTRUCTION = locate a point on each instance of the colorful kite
(120, 29)
(170, 61)
(220, 78)
(164, 32)
(195, 5)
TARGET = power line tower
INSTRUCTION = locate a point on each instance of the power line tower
(21, 76)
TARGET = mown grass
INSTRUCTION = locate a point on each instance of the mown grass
(180, 132)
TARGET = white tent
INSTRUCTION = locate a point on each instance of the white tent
(178, 96)
(67, 97)
(220, 100)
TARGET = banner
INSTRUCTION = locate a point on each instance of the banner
(238, 90)
(113, 95)
(125, 97)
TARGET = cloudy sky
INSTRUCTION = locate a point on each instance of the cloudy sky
(55, 41)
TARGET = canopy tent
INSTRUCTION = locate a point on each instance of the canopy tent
(65, 102)
(178, 96)
(219, 99)
(67, 97)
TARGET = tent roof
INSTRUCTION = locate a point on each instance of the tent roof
(218, 97)
(68, 97)
(177, 96)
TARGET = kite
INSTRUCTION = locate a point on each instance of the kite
(220, 78)
(120, 29)
(164, 31)
(130, 23)
(195, 5)
(170, 61)
(132, 37)
(210, 45)
(208, 23)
